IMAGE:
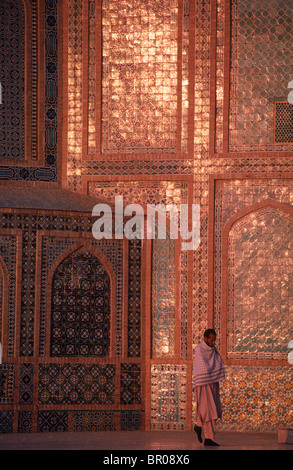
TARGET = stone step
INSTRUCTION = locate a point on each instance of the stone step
(285, 436)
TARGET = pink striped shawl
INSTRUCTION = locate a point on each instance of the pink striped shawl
(208, 366)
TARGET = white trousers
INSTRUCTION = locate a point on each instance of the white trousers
(208, 408)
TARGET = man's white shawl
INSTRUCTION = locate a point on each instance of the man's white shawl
(208, 366)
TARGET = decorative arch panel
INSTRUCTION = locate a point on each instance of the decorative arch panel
(259, 315)
(80, 307)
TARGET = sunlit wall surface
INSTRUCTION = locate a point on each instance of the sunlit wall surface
(261, 68)
(260, 280)
(158, 102)
(139, 75)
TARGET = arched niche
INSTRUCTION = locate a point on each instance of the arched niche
(81, 305)
(257, 306)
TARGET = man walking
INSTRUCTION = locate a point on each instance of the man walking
(208, 371)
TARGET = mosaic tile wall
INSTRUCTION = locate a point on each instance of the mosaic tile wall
(153, 390)
(261, 68)
(96, 387)
(12, 80)
(81, 303)
(139, 83)
(271, 261)
(260, 275)
(253, 396)
(39, 142)
(256, 399)
(168, 397)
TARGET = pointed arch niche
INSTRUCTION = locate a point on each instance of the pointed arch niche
(257, 302)
(81, 283)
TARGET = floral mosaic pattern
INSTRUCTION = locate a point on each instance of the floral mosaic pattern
(257, 399)
(93, 421)
(25, 421)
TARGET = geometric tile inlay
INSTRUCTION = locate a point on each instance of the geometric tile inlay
(76, 384)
